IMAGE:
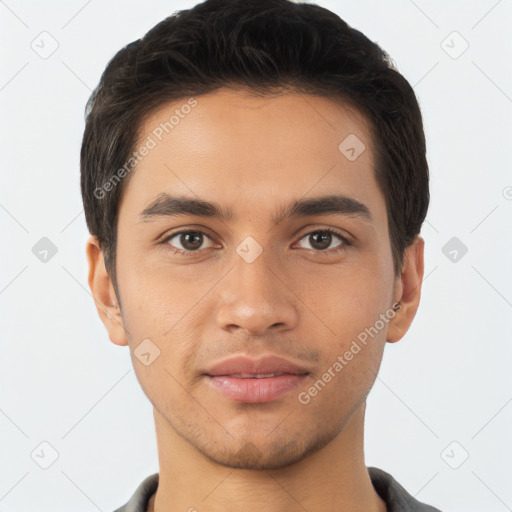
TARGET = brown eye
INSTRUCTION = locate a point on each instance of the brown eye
(187, 241)
(191, 241)
(321, 240)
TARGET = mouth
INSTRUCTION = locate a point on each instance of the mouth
(255, 376)
(243, 379)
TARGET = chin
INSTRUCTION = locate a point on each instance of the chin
(276, 455)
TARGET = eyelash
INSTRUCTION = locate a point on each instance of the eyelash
(185, 253)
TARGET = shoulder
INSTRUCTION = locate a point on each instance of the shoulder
(140, 498)
(396, 497)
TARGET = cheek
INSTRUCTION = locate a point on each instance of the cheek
(155, 298)
(347, 301)
(163, 359)
(157, 316)
(348, 330)
(332, 396)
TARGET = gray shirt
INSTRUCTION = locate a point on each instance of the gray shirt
(397, 499)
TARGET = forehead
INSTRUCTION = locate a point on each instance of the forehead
(237, 149)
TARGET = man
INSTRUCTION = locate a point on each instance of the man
(254, 180)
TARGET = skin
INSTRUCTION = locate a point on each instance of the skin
(253, 156)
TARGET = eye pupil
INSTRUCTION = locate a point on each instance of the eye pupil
(325, 241)
(188, 244)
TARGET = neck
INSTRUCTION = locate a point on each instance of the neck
(333, 478)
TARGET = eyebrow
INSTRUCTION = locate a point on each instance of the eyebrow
(166, 205)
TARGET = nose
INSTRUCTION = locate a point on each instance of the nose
(256, 299)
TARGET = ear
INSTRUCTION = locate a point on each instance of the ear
(104, 294)
(407, 290)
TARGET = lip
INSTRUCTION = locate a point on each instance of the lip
(263, 365)
(244, 379)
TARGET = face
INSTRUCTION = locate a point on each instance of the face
(248, 285)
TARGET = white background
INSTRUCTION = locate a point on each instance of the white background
(63, 381)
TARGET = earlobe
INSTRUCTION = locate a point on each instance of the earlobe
(103, 293)
(407, 290)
